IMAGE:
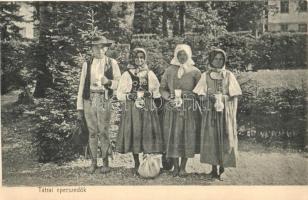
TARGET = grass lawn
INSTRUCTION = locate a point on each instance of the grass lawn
(278, 78)
(257, 165)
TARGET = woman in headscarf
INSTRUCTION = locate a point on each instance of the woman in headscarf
(218, 90)
(139, 127)
(180, 114)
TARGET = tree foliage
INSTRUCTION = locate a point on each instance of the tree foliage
(241, 15)
(13, 47)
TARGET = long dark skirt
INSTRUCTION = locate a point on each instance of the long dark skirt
(214, 139)
(139, 129)
(181, 131)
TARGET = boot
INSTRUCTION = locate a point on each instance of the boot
(137, 163)
(183, 167)
(176, 168)
(105, 168)
(221, 171)
(166, 162)
(93, 166)
(214, 173)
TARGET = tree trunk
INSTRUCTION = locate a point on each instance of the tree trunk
(148, 23)
(138, 23)
(4, 87)
(165, 20)
(44, 77)
(182, 18)
(175, 24)
(129, 17)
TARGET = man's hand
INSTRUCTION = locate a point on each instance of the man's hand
(105, 81)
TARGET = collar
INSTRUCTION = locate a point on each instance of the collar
(221, 71)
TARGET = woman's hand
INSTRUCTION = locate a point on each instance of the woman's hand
(176, 102)
(229, 148)
(226, 97)
(131, 96)
(212, 97)
(147, 94)
(202, 98)
(139, 103)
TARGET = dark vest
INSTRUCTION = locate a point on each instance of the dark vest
(137, 84)
(108, 74)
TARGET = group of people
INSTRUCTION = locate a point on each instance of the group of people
(198, 109)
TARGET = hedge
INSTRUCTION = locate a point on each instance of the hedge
(270, 51)
(281, 51)
(273, 116)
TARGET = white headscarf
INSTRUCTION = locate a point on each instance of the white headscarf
(186, 67)
(133, 54)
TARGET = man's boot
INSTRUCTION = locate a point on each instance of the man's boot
(93, 166)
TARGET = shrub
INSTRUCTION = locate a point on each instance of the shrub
(238, 48)
(281, 51)
(55, 116)
(272, 115)
(12, 58)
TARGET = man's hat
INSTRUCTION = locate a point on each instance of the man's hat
(101, 40)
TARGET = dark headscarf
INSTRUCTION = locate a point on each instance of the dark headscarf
(213, 53)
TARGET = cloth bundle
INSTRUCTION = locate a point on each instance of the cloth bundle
(150, 166)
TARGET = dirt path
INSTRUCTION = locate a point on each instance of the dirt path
(257, 165)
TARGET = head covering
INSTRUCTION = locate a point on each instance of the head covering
(219, 72)
(212, 55)
(101, 40)
(189, 63)
(133, 55)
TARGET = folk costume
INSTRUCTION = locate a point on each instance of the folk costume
(139, 130)
(94, 99)
(218, 127)
(180, 124)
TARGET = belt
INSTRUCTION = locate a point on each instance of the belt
(101, 91)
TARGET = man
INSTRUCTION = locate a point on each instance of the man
(99, 78)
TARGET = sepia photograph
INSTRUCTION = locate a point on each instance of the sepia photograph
(153, 93)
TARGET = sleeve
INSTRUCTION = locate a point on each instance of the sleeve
(201, 87)
(81, 86)
(124, 86)
(164, 90)
(154, 85)
(197, 76)
(234, 87)
(116, 74)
